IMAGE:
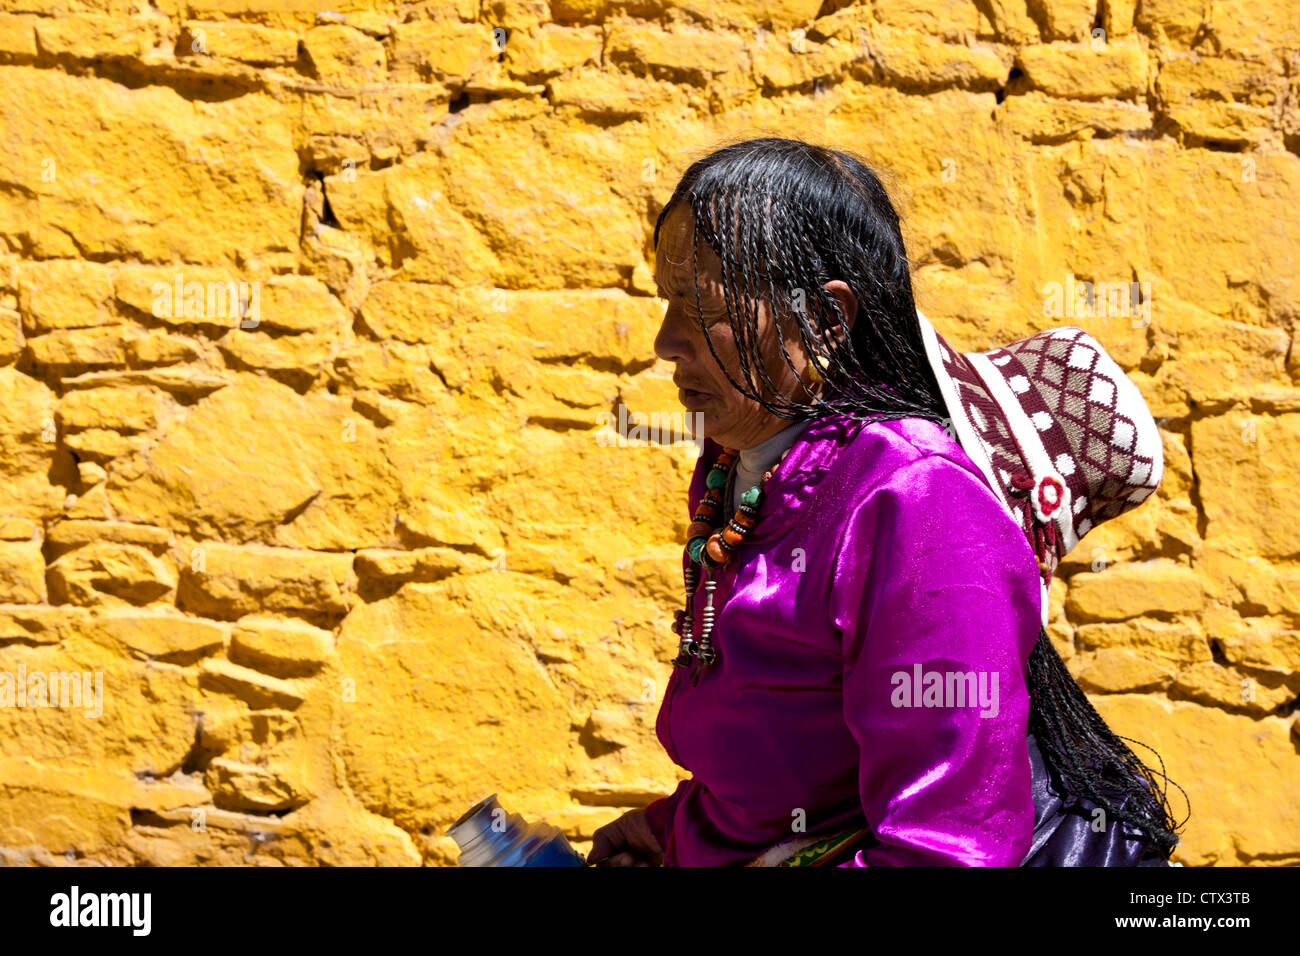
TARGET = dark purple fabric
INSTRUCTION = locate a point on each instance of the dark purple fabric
(1072, 833)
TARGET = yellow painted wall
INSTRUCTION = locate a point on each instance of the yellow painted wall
(348, 571)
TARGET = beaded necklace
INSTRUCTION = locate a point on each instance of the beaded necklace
(711, 546)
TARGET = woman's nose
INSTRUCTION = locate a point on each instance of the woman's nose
(672, 343)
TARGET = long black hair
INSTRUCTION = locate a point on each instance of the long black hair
(785, 217)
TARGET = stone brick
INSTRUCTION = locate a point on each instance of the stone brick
(1119, 17)
(188, 296)
(104, 444)
(420, 564)
(90, 35)
(393, 368)
(951, 19)
(106, 201)
(686, 54)
(455, 662)
(64, 294)
(11, 335)
(340, 54)
(1243, 465)
(1064, 19)
(551, 50)
(79, 347)
(40, 625)
(1231, 688)
(1034, 116)
(1176, 641)
(235, 729)
(1266, 587)
(239, 786)
(144, 727)
(28, 440)
(1084, 71)
(312, 463)
(297, 303)
(18, 34)
(243, 41)
(801, 60)
(1222, 756)
(90, 472)
(1129, 590)
(17, 529)
(257, 690)
(280, 647)
(22, 572)
(160, 348)
(441, 49)
(110, 573)
(190, 382)
(1218, 98)
(303, 355)
(1176, 20)
(920, 60)
(234, 581)
(618, 95)
(1264, 644)
(162, 636)
(116, 407)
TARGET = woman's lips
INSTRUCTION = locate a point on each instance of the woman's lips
(692, 399)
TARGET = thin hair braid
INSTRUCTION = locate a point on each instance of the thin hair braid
(1089, 758)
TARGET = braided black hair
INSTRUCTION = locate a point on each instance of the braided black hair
(785, 217)
(1089, 759)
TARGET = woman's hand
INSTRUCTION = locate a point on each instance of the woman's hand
(626, 841)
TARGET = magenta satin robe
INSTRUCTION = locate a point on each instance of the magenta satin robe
(879, 547)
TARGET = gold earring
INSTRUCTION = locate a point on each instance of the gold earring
(817, 368)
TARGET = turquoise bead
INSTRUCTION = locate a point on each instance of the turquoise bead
(717, 478)
(695, 548)
(752, 496)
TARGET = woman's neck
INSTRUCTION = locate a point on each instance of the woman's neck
(752, 462)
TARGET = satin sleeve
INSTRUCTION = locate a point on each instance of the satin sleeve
(933, 577)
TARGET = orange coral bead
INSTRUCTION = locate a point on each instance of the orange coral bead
(715, 551)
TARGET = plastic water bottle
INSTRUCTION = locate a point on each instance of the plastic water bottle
(488, 836)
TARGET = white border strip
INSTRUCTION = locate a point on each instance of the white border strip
(1129, 400)
(1031, 446)
(966, 436)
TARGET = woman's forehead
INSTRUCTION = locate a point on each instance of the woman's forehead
(673, 268)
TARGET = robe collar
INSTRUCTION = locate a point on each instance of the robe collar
(798, 478)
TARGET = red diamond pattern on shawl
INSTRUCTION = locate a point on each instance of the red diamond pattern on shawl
(1066, 370)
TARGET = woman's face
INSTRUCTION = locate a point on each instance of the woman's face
(730, 418)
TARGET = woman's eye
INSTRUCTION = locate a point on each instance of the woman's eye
(713, 312)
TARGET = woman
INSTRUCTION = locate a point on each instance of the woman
(862, 677)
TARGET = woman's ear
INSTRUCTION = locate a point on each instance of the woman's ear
(844, 296)
(848, 303)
